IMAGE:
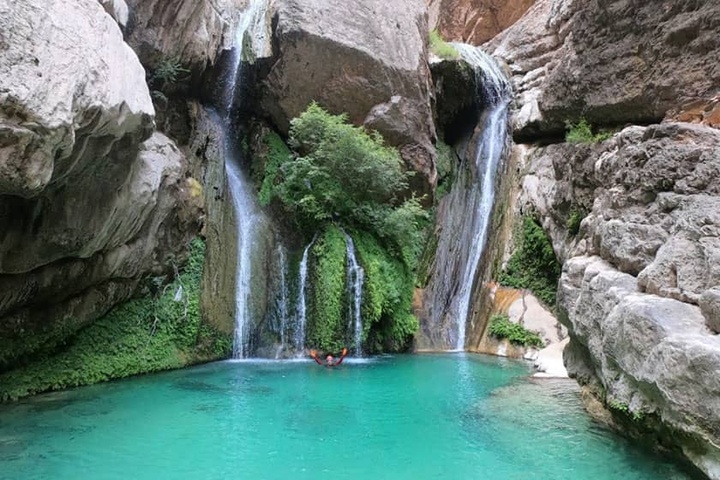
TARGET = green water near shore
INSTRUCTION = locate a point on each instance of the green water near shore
(405, 417)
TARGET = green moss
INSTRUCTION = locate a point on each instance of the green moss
(581, 132)
(501, 327)
(533, 264)
(387, 297)
(441, 48)
(326, 312)
(142, 335)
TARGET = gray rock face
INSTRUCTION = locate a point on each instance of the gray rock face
(612, 62)
(652, 200)
(653, 357)
(192, 31)
(90, 199)
(710, 307)
(370, 64)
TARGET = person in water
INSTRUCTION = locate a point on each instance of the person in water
(330, 361)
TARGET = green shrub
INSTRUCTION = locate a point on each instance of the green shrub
(581, 132)
(339, 174)
(142, 335)
(441, 48)
(574, 220)
(533, 264)
(501, 327)
(167, 72)
(446, 159)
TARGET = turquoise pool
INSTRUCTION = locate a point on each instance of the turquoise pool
(404, 417)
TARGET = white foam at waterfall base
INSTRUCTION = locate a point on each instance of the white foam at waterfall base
(247, 213)
(355, 279)
(495, 91)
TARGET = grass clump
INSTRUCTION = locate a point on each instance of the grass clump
(441, 48)
(581, 132)
(533, 265)
(501, 327)
(147, 334)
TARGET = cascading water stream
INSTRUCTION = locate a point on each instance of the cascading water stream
(247, 212)
(496, 93)
(355, 279)
(301, 317)
(283, 298)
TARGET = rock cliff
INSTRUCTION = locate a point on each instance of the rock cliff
(91, 199)
(613, 62)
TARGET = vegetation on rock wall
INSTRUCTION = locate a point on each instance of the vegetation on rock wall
(441, 48)
(387, 301)
(577, 215)
(533, 264)
(326, 309)
(581, 132)
(337, 176)
(145, 334)
(501, 327)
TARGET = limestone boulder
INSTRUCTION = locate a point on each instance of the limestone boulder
(474, 21)
(649, 198)
(55, 101)
(653, 357)
(612, 62)
(370, 64)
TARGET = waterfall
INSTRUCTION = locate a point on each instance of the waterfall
(496, 93)
(301, 317)
(250, 33)
(466, 212)
(282, 307)
(355, 279)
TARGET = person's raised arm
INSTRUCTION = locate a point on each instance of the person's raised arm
(342, 357)
(314, 356)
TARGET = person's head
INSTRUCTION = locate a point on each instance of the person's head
(329, 359)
